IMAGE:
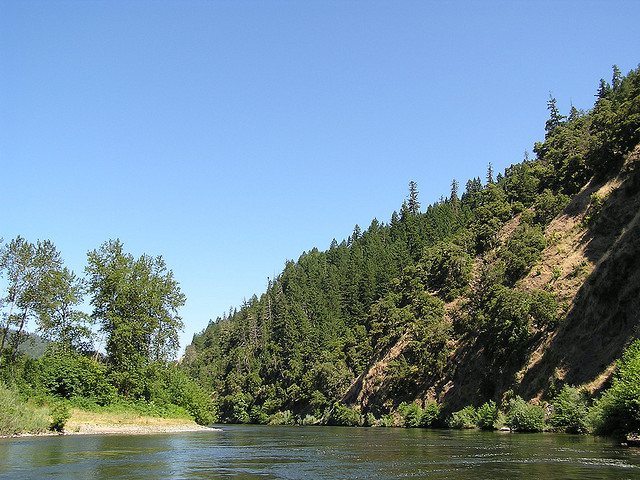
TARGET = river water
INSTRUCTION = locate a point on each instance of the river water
(248, 452)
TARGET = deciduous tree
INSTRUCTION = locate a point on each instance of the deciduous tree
(136, 303)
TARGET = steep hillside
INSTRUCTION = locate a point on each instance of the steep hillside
(520, 285)
(605, 308)
(594, 274)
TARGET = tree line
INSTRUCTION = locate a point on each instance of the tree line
(331, 314)
(135, 303)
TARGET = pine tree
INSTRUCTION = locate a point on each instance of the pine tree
(489, 174)
(454, 191)
(616, 79)
(413, 205)
(555, 119)
(604, 89)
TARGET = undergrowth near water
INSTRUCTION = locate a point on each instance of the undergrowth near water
(19, 417)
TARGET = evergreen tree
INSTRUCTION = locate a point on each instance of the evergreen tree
(489, 173)
(616, 79)
(555, 118)
(413, 205)
(604, 89)
(454, 193)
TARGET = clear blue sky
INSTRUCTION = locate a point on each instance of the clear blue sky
(230, 136)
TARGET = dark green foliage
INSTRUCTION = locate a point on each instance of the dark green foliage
(522, 251)
(489, 217)
(543, 309)
(524, 417)
(506, 320)
(345, 416)
(69, 375)
(465, 418)
(487, 415)
(617, 412)
(595, 142)
(414, 416)
(570, 410)
(548, 205)
(449, 270)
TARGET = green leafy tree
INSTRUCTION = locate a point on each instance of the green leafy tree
(28, 269)
(58, 318)
(136, 302)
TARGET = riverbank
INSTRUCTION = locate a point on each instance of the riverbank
(86, 422)
(83, 422)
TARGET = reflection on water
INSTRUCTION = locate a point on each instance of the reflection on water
(318, 452)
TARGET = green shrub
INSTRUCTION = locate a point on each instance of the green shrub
(465, 418)
(70, 375)
(259, 415)
(370, 420)
(282, 418)
(346, 416)
(617, 412)
(413, 416)
(570, 410)
(310, 420)
(487, 415)
(386, 421)
(524, 417)
(186, 393)
(59, 416)
(430, 415)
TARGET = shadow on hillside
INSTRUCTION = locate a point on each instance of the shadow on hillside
(606, 313)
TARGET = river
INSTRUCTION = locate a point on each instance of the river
(248, 452)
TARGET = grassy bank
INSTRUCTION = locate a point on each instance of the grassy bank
(19, 416)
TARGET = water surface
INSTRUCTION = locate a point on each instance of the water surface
(248, 452)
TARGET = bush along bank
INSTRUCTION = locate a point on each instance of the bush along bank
(616, 413)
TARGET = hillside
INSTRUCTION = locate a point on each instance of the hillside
(598, 285)
(523, 283)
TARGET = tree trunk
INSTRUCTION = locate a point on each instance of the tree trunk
(14, 354)
(6, 327)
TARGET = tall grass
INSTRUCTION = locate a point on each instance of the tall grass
(18, 417)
